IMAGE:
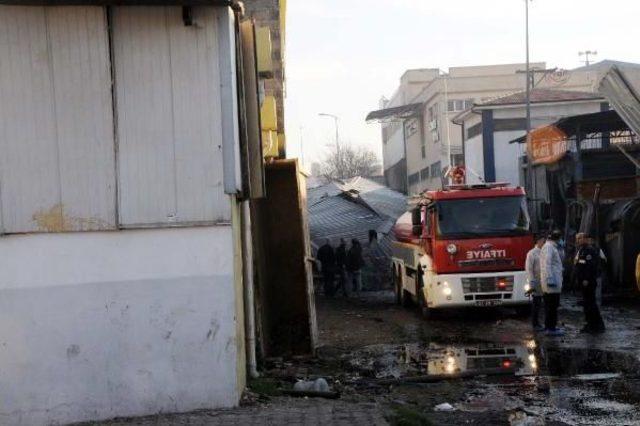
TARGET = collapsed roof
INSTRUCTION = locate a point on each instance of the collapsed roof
(350, 210)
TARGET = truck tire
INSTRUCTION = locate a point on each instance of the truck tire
(425, 311)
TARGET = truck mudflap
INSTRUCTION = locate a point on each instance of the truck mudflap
(479, 289)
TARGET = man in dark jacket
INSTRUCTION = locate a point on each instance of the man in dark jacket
(341, 263)
(587, 269)
(355, 262)
(327, 258)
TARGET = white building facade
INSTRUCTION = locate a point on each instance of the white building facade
(430, 141)
(489, 128)
(120, 245)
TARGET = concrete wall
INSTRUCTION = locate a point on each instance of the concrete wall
(393, 148)
(412, 83)
(101, 324)
(506, 156)
(474, 160)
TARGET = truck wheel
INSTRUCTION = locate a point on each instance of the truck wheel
(523, 311)
(425, 311)
(397, 284)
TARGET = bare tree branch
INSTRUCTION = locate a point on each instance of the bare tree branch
(349, 162)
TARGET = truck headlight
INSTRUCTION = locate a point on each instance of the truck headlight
(446, 291)
(452, 249)
(527, 287)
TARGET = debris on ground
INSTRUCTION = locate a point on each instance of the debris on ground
(318, 385)
(520, 418)
(445, 406)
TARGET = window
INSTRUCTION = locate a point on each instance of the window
(435, 169)
(414, 178)
(423, 149)
(457, 159)
(433, 112)
(411, 127)
(424, 173)
(477, 217)
(456, 105)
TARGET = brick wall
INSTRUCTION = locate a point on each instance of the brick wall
(266, 13)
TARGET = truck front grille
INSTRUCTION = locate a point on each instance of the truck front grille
(486, 262)
(487, 284)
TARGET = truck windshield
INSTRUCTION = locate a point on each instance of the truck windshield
(480, 217)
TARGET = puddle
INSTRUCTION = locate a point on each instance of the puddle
(571, 386)
(582, 362)
(410, 360)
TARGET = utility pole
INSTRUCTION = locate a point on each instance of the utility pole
(335, 120)
(586, 55)
(528, 70)
(529, 169)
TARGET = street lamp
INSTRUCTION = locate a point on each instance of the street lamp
(335, 120)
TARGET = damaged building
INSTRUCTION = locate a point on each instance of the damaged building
(582, 175)
(360, 209)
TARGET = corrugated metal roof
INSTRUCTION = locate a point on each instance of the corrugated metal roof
(350, 210)
(622, 96)
(403, 111)
(542, 96)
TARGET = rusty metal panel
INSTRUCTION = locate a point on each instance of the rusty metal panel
(169, 117)
(56, 167)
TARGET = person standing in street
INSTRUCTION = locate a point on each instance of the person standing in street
(355, 262)
(341, 263)
(551, 280)
(532, 267)
(587, 269)
(327, 258)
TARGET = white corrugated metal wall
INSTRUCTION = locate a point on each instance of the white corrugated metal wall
(169, 133)
(57, 164)
(58, 168)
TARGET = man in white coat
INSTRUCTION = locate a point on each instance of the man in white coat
(532, 266)
(551, 279)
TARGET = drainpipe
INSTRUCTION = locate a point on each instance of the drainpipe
(249, 300)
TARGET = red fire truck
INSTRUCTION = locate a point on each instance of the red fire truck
(463, 246)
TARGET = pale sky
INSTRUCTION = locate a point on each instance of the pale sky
(342, 56)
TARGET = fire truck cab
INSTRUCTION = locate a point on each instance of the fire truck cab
(462, 246)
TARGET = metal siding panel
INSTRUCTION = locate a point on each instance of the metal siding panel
(169, 130)
(145, 120)
(197, 117)
(84, 116)
(55, 108)
(29, 173)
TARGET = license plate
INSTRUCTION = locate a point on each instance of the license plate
(488, 302)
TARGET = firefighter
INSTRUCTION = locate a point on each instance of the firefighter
(341, 263)
(532, 266)
(587, 269)
(327, 258)
(551, 282)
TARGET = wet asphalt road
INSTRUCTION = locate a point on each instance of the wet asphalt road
(393, 367)
(574, 379)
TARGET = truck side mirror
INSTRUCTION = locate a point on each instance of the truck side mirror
(416, 221)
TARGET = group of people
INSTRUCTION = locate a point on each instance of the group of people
(544, 266)
(345, 264)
